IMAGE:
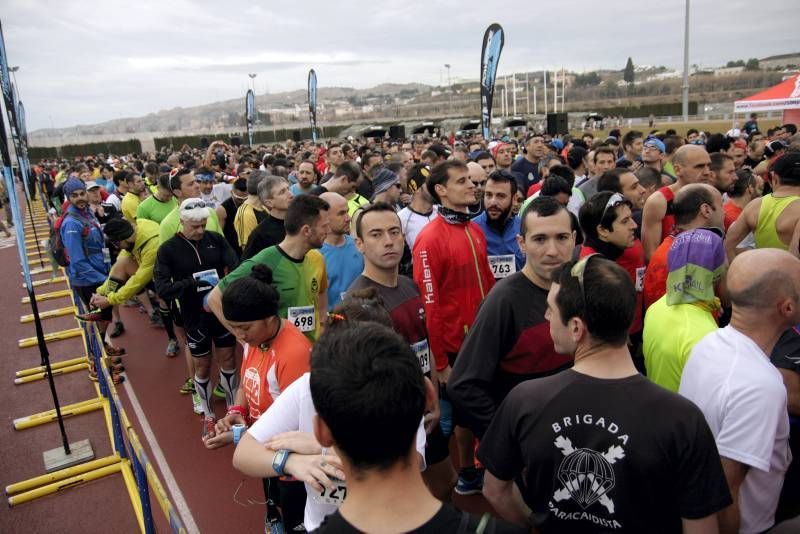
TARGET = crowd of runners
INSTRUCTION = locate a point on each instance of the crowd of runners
(597, 334)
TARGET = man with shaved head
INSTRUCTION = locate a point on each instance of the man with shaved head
(478, 176)
(730, 378)
(343, 261)
(692, 166)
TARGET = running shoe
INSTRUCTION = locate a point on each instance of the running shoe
(208, 427)
(155, 319)
(172, 348)
(219, 392)
(197, 404)
(274, 527)
(470, 481)
(187, 387)
(118, 330)
(113, 351)
(90, 316)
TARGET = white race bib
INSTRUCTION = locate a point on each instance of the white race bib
(503, 266)
(423, 353)
(302, 317)
(106, 255)
(640, 278)
(208, 273)
(335, 495)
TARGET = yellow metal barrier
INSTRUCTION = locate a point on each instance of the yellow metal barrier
(54, 280)
(64, 484)
(36, 482)
(53, 336)
(60, 371)
(54, 366)
(49, 416)
(59, 312)
(61, 293)
(133, 492)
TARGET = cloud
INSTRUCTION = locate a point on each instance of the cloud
(93, 60)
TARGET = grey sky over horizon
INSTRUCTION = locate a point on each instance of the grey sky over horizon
(88, 61)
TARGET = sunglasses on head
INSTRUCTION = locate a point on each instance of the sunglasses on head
(194, 205)
(613, 201)
(578, 270)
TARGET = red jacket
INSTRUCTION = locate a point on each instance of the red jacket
(452, 272)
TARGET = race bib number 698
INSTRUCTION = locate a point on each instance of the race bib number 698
(302, 317)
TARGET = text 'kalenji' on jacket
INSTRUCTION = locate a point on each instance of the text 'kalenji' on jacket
(452, 272)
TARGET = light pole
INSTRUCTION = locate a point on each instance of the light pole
(449, 86)
(253, 81)
(12, 70)
(685, 86)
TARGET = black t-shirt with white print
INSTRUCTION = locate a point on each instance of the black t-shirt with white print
(447, 520)
(605, 455)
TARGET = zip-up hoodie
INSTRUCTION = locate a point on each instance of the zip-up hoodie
(452, 272)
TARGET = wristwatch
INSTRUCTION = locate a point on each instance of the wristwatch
(238, 429)
(279, 461)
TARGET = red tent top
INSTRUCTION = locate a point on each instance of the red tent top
(785, 95)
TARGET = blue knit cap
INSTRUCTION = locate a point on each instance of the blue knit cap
(73, 184)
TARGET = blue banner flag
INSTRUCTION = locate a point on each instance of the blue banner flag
(312, 103)
(250, 113)
(493, 41)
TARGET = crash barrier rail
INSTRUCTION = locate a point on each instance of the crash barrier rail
(128, 457)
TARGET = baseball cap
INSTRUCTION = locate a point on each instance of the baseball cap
(773, 147)
(91, 185)
(194, 209)
(440, 150)
(655, 142)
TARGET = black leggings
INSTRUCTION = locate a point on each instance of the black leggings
(286, 499)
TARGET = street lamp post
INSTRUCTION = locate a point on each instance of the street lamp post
(449, 87)
(685, 86)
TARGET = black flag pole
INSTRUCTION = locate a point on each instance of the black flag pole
(14, 206)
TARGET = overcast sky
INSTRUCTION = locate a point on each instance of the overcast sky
(86, 61)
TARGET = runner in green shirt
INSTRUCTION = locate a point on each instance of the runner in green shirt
(298, 268)
(156, 207)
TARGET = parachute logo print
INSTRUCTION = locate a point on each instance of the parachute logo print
(587, 476)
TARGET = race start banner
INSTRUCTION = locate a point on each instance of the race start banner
(493, 41)
(250, 114)
(312, 103)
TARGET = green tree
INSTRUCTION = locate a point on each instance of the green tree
(752, 64)
(628, 74)
(737, 63)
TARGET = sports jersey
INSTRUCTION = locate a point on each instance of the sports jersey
(404, 305)
(145, 249)
(299, 284)
(670, 333)
(246, 220)
(269, 232)
(499, 246)
(343, 264)
(267, 372)
(155, 210)
(413, 222)
(732, 212)
(766, 232)
(668, 222)
(452, 271)
(130, 203)
(655, 277)
(509, 342)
